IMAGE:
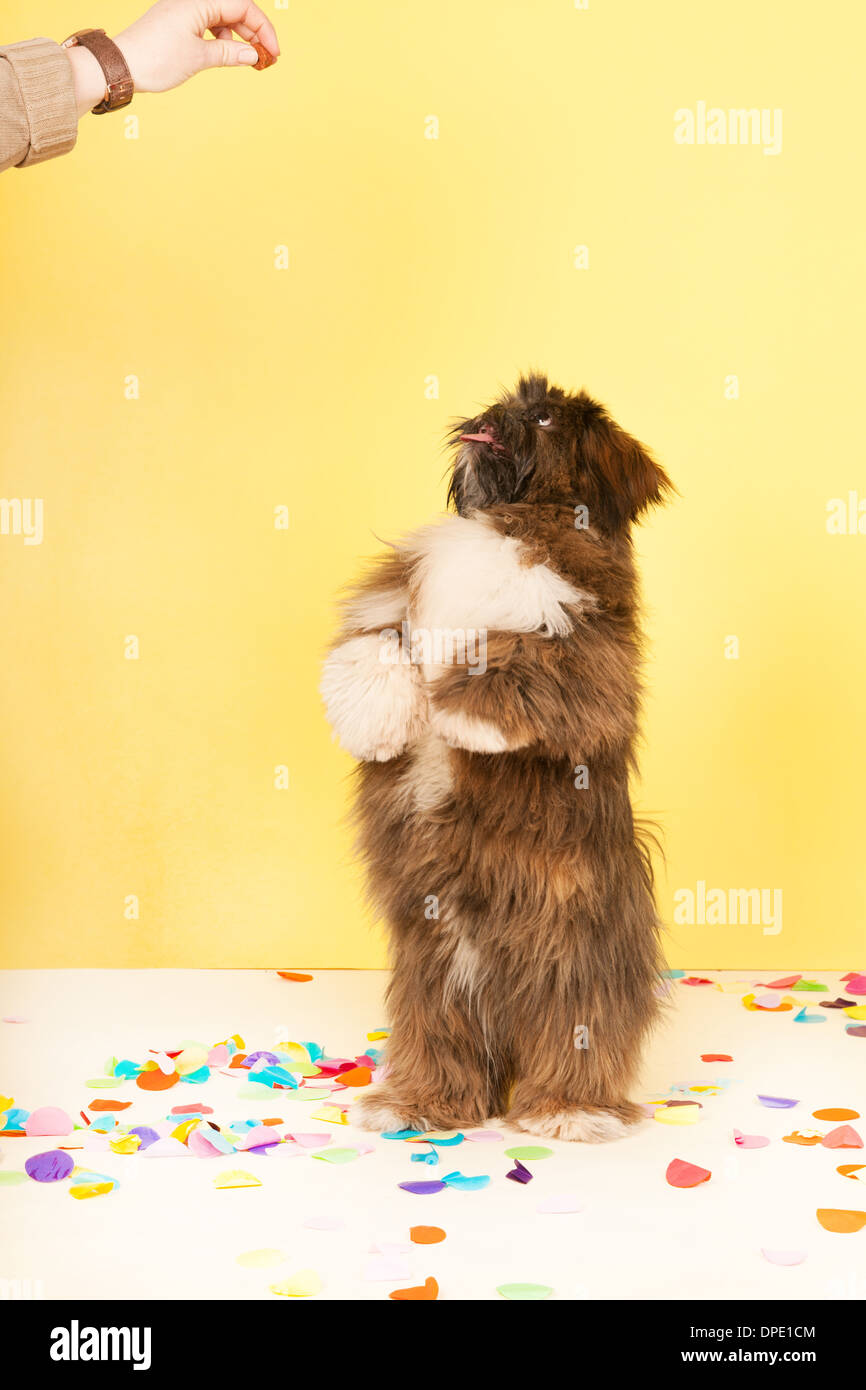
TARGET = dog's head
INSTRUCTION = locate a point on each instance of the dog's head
(540, 444)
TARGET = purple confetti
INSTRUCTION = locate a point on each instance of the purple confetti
(422, 1189)
(253, 1057)
(147, 1136)
(858, 1032)
(519, 1173)
(778, 1102)
(50, 1166)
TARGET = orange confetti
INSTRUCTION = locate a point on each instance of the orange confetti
(836, 1114)
(358, 1076)
(841, 1221)
(296, 975)
(848, 1170)
(109, 1105)
(426, 1235)
(807, 1140)
(238, 1059)
(715, 1057)
(426, 1292)
(156, 1080)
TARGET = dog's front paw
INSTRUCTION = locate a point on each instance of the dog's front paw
(380, 1110)
(589, 1126)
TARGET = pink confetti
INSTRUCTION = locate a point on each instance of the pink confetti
(48, 1119)
(750, 1141)
(843, 1137)
(784, 1257)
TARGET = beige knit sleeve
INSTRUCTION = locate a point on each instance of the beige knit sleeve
(38, 114)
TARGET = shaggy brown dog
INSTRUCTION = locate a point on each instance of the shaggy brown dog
(492, 800)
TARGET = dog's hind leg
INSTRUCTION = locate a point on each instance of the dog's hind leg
(577, 1048)
(445, 1068)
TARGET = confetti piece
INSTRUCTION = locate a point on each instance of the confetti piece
(810, 986)
(678, 1114)
(304, 1284)
(331, 1114)
(696, 980)
(856, 984)
(310, 1141)
(851, 1170)
(841, 1221)
(128, 1144)
(104, 1083)
(339, 1156)
(48, 1120)
(100, 1105)
(484, 1136)
(82, 1190)
(784, 1257)
(156, 1080)
(771, 1000)
(426, 1292)
(562, 1205)
(260, 1259)
(443, 1139)
(12, 1178)
(378, 1033)
(777, 1102)
(422, 1189)
(857, 1011)
(842, 1138)
(166, 1148)
(426, 1235)
(358, 1076)
(515, 1292)
(715, 1057)
(50, 1166)
(529, 1151)
(147, 1135)
(519, 1174)
(750, 1141)
(788, 983)
(236, 1177)
(682, 1174)
(804, 1017)
(463, 1183)
(808, 1140)
(749, 1002)
(297, 975)
(856, 1031)
(839, 1003)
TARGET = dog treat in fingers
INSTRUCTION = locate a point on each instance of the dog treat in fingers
(266, 59)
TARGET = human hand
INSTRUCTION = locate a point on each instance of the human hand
(166, 46)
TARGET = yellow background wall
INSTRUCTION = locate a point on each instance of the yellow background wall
(412, 257)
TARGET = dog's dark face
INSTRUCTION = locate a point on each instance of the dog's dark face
(539, 444)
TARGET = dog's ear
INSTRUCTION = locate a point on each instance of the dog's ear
(626, 478)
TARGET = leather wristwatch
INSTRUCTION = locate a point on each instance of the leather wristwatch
(119, 86)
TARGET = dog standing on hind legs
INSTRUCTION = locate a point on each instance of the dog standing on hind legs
(492, 800)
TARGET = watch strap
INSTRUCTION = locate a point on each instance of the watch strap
(119, 86)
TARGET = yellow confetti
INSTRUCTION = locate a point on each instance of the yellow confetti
(90, 1189)
(6, 1102)
(127, 1144)
(183, 1129)
(678, 1114)
(301, 1285)
(295, 1050)
(379, 1033)
(192, 1058)
(331, 1114)
(858, 1011)
(431, 1134)
(236, 1177)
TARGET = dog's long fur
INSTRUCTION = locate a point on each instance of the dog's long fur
(519, 903)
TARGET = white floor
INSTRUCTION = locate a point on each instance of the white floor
(167, 1232)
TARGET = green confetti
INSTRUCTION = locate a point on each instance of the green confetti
(337, 1155)
(524, 1291)
(105, 1083)
(12, 1178)
(529, 1151)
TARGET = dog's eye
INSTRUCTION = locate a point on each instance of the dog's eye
(542, 420)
